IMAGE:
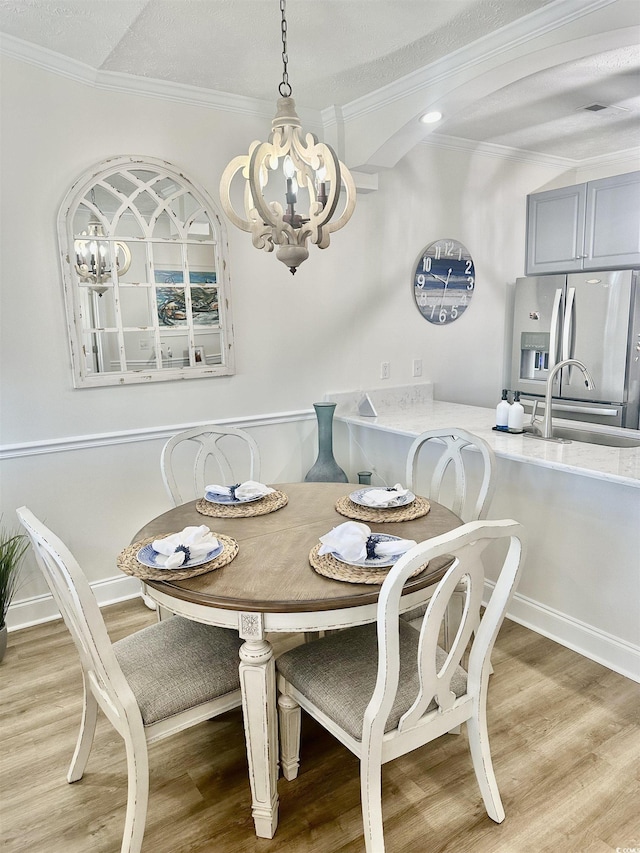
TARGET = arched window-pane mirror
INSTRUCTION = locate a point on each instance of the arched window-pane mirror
(144, 266)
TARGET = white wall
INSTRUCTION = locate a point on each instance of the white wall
(481, 201)
(347, 309)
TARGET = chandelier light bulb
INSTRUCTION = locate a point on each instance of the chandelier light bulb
(288, 168)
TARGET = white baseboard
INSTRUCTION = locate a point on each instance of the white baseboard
(592, 643)
(42, 608)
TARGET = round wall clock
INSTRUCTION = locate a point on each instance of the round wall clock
(443, 281)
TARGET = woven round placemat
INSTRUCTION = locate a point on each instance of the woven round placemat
(129, 564)
(331, 568)
(418, 507)
(269, 503)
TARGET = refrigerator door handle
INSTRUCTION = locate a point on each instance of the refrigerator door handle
(553, 337)
(583, 410)
(568, 324)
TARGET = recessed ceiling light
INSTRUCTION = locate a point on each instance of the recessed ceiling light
(431, 118)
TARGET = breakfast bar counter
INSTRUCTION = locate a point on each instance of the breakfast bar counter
(591, 460)
(579, 502)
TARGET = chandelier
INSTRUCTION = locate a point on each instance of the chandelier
(93, 255)
(306, 175)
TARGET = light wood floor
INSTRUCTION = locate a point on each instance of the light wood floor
(565, 735)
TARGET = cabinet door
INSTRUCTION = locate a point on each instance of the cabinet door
(555, 230)
(612, 237)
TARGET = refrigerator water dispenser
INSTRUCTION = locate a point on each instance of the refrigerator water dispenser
(534, 355)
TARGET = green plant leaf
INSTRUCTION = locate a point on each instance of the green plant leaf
(12, 550)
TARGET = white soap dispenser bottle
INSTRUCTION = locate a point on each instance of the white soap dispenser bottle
(516, 414)
(502, 412)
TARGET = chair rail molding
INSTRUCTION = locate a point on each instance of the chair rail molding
(105, 439)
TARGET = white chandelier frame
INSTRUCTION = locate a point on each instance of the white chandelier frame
(269, 223)
(301, 162)
(93, 254)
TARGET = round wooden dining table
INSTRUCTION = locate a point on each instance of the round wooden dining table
(270, 586)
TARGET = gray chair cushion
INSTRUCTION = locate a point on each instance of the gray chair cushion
(178, 664)
(338, 674)
(416, 613)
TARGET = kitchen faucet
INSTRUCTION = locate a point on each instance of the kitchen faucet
(547, 425)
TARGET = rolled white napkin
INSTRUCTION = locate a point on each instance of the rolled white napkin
(191, 543)
(243, 491)
(383, 497)
(349, 540)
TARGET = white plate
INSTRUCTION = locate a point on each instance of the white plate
(147, 556)
(228, 500)
(376, 562)
(402, 500)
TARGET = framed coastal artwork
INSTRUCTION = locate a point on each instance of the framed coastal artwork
(171, 300)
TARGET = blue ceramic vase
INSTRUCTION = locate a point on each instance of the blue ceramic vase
(325, 468)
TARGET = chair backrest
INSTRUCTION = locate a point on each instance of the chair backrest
(81, 613)
(213, 446)
(451, 442)
(465, 544)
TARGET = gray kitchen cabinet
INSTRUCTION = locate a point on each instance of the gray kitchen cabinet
(590, 226)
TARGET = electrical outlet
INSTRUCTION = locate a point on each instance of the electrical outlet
(417, 367)
(385, 370)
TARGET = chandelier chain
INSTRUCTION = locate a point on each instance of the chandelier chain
(284, 88)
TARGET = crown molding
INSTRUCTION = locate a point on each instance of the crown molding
(490, 149)
(167, 90)
(332, 119)
(627, 155)
(150, 87)
(521, 31)
(504, 152)
(546, 19)
(42, 57)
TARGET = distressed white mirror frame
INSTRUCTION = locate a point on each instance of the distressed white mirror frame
(162, 311)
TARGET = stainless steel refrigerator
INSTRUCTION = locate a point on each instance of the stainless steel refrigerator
(593, 317)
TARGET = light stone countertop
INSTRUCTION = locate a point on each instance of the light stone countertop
(411, 410)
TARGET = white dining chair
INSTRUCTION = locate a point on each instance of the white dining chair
(452, 482)
(470, 501)
(150, 685)
(386, 689)
(208, 450)
(205, 452)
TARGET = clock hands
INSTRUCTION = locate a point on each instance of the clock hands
(444, 290)
(445, 281)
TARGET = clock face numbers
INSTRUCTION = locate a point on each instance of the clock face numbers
(443, 281)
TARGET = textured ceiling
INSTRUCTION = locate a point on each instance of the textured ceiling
(342, 50)
(338, 50)
(545, 112)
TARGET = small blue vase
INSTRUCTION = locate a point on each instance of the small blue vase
(325, 468)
